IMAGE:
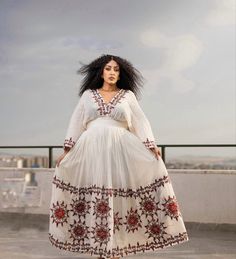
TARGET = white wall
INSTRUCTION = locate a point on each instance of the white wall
(204, 196)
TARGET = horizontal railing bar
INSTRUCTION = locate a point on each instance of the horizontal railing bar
(162, 146)
(31, 146)
(198, 145)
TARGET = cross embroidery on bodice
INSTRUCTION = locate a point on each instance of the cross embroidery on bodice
(106, 108)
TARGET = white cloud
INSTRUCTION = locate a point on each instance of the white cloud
(153, 38)
(181, 84)
(222, 14)
(91, 43)
(179, 54)
(182, 53)
(178, 82)
(59, 54)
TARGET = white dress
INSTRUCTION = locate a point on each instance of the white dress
(110, 195)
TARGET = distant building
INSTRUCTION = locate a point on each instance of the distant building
(23, 161)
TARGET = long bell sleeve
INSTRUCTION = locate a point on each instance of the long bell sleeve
(140, 125)
(75, 128)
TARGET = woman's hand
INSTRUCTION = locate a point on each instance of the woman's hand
(156, 151)
(61, 157)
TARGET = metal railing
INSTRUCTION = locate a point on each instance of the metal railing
(161, 146)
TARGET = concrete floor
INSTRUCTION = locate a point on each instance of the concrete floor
(32, 243)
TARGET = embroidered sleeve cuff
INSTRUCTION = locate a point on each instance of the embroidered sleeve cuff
(149, 143)
(69, 143)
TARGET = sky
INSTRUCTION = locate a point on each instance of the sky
(185, 50)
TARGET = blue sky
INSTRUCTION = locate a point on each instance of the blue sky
(184, 49)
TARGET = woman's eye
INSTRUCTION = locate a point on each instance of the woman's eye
(108, 69)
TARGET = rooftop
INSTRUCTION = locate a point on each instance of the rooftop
(26, 237)
(31, 243)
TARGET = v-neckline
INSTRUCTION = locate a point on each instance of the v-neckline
(111, 100)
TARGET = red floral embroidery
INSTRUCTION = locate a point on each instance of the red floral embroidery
(171, 207)
(149, 206)
(149, 143)
(122, 251)
(133, 221)
(155, 229)
(80, 206)
(69, 143)
(79, 231)
(101, 233)
(106, 108)
(101, 207)
(59, 213)
(117, 221)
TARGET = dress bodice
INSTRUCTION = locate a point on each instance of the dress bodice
(122, 107)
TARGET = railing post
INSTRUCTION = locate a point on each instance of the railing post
(50, 156)
(163, 153)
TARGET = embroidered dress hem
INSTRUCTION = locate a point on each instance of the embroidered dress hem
(120, 252)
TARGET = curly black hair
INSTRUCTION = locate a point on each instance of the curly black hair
(130, 77)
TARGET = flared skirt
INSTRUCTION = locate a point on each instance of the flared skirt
(112, 197)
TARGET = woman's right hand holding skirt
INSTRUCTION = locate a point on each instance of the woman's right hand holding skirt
(60, 158)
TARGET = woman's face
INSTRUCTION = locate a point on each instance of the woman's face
(111, 72)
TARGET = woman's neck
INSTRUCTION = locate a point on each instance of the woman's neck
(109, 88)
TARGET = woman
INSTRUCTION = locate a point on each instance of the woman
(112, 196)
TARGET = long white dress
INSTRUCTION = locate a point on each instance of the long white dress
(110, 195)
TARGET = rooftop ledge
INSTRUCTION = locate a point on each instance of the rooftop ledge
(175, 171)
(206, 196)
